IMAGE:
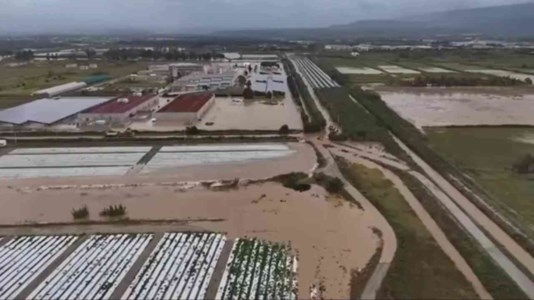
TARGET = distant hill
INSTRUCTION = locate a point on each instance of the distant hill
(515, 20)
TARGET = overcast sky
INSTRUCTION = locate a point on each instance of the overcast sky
(72, 16)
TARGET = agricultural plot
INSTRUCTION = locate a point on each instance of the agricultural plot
(392, 69)
(215, 154)
(95, 269)
(435, 70)
(358, 71)
(316, 77)
(502, 73)
(63, 162)
(24, 258)
(180, 267)
(259, 270)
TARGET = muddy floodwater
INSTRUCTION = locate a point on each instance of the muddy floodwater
(330, 235)
(462, 106)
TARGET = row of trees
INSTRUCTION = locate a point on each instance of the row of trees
(130, 54)
(447, 81)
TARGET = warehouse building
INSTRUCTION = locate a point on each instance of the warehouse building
(118, 110)
(46, 112)
(199, 81)
(187, 108)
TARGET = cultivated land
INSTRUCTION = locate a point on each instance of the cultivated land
(487, 155)
(17, 83)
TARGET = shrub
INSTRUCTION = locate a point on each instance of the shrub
(525, 165)
(331, 184)
(295, 181)
(284, 129)
(192, 130)
(113, 211)
(80, 213)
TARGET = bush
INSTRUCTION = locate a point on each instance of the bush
(295, 181)
(525, 165)
(80, 213)
(248, 93)
(331, 184)
(284, 129)
(192, 130)
(113, 211)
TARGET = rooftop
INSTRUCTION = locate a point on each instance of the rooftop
(48, 110)
(118, 105)
(188, 103)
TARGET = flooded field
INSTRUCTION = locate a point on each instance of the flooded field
(435, 70)
(358, 71)
(330, 236)
(257, 114)
(461, 106)
(393, 69)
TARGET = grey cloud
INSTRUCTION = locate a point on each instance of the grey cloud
(179, 15)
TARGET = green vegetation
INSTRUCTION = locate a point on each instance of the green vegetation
(113, 211)
(420, 269)
(331, 184)
(80, 213)
(489, 155)
(357, 124)
(312, 118)
(454, 80)
(496, 281)
(299, 182)
(18, 82)
(413, 138)
(525, 165)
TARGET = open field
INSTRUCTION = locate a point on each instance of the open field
(19, 82)
(501, 73)
(425, 107)
(394, 69)
(487, 155)
(408, 278)
(358, 71)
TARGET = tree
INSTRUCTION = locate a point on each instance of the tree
(528, 80)
(269, 95)
(91, 53)
(525, 165)
(242, 80)
(284, 129)
(192, 130)
(248, 93)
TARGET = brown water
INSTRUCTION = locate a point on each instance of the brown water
(462, 106)
(331, 236)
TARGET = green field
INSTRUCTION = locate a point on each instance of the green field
(487, 155)
(454, 60)
(18, 83)
(420, 269)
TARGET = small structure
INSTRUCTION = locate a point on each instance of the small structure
(187, 108)
(178, 70)
(118, 110)
(60, 89)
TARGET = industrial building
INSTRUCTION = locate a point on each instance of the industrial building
(118, 110)
(188, 108)
(178, 70)
(198, 81)
(46, 112)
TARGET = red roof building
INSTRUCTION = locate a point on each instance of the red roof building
(119, 109)
(188, 103)
(188, 108)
